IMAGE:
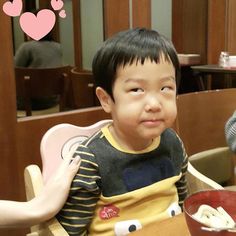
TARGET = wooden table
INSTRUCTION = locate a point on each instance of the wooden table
(203, 72)
(175, 226)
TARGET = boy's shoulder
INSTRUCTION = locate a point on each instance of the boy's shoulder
(171, 133)
(89, 146)
(95, 143)
(93, 138)
(171, 139)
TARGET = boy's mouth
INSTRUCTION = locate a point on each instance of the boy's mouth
(152, 122)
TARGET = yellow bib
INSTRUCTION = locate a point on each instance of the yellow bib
(122, 214)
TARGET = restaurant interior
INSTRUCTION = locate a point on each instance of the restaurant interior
(199, 29)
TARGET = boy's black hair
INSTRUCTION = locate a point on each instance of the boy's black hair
(128, 47)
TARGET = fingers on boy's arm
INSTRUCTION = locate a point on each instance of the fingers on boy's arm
(68, 157)
(75, 162)
(74, 166)
(69, 165)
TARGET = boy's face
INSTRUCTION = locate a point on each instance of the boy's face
(145, 103)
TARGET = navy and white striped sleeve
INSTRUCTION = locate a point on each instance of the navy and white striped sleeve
(78, 211)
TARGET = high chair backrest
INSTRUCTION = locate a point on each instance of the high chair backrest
(62, 139)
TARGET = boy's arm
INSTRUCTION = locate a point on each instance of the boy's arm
(46, 205)
(182, 183)
(78, 211)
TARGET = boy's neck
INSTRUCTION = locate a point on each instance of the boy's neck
(127, 144)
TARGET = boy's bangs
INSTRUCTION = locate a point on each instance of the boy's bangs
(142, 49)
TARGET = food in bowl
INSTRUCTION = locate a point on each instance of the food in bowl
(212, 217)
(213, 198)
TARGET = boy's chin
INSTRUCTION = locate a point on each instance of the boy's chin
(150, 136)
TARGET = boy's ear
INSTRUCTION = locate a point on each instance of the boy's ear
(104, 99)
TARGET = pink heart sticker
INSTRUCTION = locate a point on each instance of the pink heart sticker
(57, 4)
(62, 13)
(12, 8)
(37, 26)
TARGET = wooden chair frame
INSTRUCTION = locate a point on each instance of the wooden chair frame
(83, 87)
(41, 82)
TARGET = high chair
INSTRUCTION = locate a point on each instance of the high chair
(55, 144)
(64, 138)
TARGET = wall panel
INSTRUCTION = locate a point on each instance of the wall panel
(217, 40)
(8, 111)
(9, 173)
(116, 16)
(231, 27)
(141, 13)
(189, 26)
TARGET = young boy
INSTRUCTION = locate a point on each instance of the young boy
(133, 171)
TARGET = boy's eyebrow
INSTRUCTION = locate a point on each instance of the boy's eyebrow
(134, 80)
(168, 78)
(144, 80)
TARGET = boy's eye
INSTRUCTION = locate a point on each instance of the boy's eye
(167, 88)
(136, 90)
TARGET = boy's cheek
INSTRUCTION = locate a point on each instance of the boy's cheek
(172, 115)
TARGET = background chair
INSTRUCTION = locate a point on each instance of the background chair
(202, 116)
(217, 164)
(200, 123)
(64, 138)
(34, 83)
(83, 87)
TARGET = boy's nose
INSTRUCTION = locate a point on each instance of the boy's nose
(153, 104)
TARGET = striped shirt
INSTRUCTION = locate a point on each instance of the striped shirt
(107, 172)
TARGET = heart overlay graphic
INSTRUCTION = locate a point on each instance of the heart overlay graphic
(37, 26)
(12, 8)
(62, 14)
(57, 4)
